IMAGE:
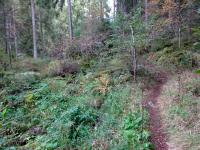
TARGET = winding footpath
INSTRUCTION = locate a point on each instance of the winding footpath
(151, 103)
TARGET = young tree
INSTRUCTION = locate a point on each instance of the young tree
(146, 11)
(133, 54)
(5, 26)
(7, 11)
(42, 30)
(34, 29)
(101, 10)
(15, 30)
(114, 8)
(70, 20)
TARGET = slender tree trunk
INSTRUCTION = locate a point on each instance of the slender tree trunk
(133, 54)
(189, 21)
(15, 32)
(146, 22)
(70, 20)
(5, 28)
(114, 8)
(179, 37)
(101, 10)
(146, 11)
(34, 29)
(123, 7)
(8, 36)
(179, 24)
(170, 12)
(89, 8)
(42, 32)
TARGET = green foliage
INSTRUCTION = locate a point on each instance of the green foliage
(54, 68)
(196, 32)
(105, 26)
(117, 100)
(196, 35)
(69, 130)
(160, 43)
(196, 46)
(59, 113)
(174, 57)
(4, 63)
(133, 130)
(28, 64)
(18, 83)
(81, 120)
(197, 71)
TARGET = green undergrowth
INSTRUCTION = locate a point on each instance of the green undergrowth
(166, 51)
(92, 109)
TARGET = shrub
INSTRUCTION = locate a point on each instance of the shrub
(160, 43)
(174, 57)
(30, 64)
(62, 68)
(69, 68)
(70, 129)
(54, 68)
(82, 119)
(15, 84)
(133, 130)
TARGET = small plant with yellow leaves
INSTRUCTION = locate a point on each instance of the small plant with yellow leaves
(102, 84)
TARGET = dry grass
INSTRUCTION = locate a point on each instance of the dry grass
(181, 114)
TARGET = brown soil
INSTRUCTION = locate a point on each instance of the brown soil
(151, 103)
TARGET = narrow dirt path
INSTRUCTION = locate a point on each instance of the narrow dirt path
(151, 103)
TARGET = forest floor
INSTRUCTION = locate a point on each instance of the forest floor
(150, 102)
(99, 107)
(92, 109)
(172, 102)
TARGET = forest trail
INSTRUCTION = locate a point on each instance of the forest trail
(151, 103)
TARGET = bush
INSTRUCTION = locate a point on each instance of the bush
(160, 43)
(62, 68)
(54, 68)
(71, 129)
(174, 57)
(30, 64)
(15, 84)
(133, 130)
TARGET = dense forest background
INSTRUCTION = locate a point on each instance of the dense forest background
(54, 23)
(99, 74)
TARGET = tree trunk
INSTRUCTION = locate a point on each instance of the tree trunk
(179, 37)
(189, 21)
(146, 11)
(5, 28)
(101, 10)
(114, 8)
(133, 55)
(42, 33)
(8, 36)
(123, 7)
(15, 32)
(70, 20)
(34, 29)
